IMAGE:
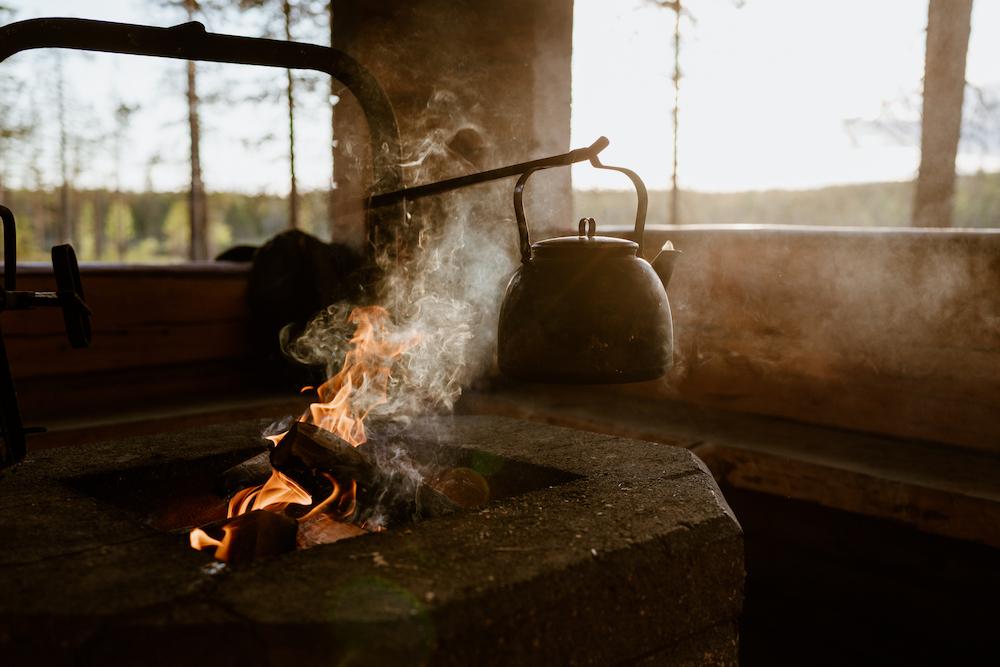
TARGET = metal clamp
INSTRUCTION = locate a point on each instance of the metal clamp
(76, 315)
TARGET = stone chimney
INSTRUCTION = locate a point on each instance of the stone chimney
(474, 86)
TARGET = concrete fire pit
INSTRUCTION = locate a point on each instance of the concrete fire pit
(601, 551)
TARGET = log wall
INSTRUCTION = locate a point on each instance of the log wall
(160, 333)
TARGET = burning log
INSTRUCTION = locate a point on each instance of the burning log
(252, 472)
(317, 459)
(256, 534)
(320, 489)
(320, 481)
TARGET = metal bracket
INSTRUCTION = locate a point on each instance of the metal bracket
(76, 315)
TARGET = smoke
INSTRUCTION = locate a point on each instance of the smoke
(447, 286)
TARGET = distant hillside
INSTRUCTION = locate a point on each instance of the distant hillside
(977, 204)
(153, 226)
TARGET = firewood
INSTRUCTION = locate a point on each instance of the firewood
(252, 472)
(306, 451)
(256, 534)
(308, 454)
(324, 529)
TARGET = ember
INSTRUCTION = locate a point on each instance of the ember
(317, 458)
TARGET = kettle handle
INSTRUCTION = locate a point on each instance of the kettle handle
(522, 222)
(643, 204)
(640, 214)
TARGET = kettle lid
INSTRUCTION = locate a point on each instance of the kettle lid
(585, 243)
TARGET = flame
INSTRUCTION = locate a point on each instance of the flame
(325, 523)
(338, 504)
(348, 397)
(201, 540)
(345, 400)
(274, 495)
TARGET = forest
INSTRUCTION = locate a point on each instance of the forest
(72, 166)
(153, 226)
(977, 205)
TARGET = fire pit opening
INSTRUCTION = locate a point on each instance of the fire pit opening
(182, 494)
(168, 497)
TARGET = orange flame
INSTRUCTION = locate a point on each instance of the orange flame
(274, 495)
(345, 400)
(338, 504)
(201, 540)
(348, 397)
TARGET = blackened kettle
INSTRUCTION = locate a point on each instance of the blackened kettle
(586, 309)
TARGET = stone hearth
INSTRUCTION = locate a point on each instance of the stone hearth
(601, 550)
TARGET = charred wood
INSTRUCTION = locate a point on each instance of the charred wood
(252, 472)
(256, 534)
(313, 457)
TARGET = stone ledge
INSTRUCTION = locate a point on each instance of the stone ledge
(942, 489)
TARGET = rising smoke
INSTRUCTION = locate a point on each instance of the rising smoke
(447, 287)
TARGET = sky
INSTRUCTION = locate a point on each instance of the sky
(767, 87)
(768, 93)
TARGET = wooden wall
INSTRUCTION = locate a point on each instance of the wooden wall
(159, 333)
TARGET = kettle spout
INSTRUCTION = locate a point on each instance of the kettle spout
(664, 262)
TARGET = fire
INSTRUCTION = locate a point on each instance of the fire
(345, 400)
(338, 503)
(273, 495)
(201, 540)
(348, 397)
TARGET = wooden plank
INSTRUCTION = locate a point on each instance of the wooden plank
(120, 299)
(80, 395)
(931, 501)
(143, 316)
(139, 346)
(957, 410)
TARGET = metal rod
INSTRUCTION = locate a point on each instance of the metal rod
(190, 41)
(579, 155)
(9, 249)
(14, 445)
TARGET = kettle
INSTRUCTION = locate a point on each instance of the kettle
(587, 309)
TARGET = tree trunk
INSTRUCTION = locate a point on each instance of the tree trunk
(675, 191)
(332, 195)
(196, 196)
(293, 195)
(198, 249)
(293, 192)
(949, 23)
(64, 227)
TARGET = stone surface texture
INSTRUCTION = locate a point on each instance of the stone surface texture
(629, 556)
